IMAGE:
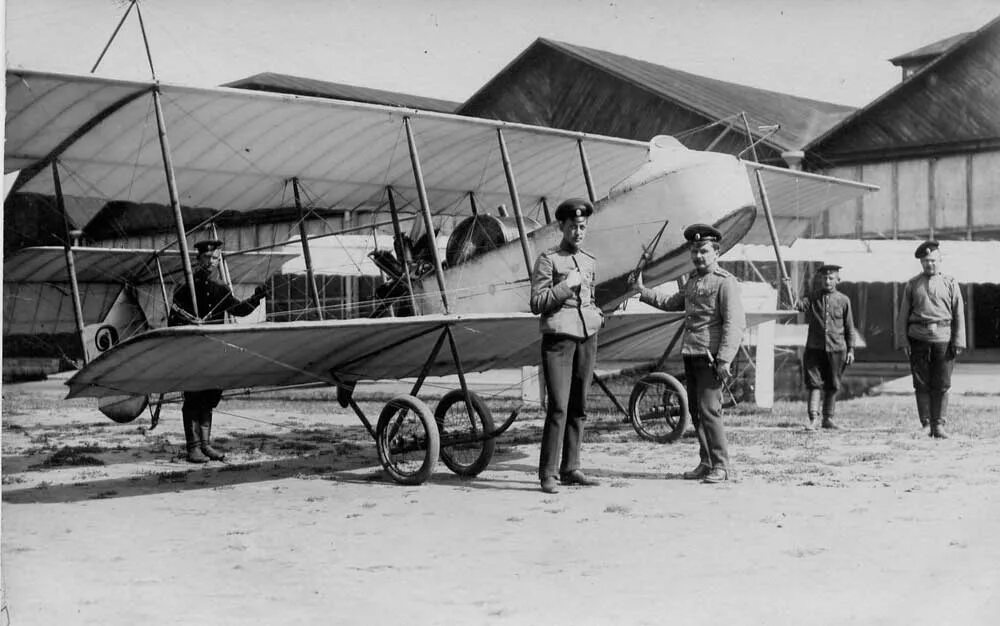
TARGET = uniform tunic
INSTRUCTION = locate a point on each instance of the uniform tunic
(931, 310)
(713, 329)
(831, 335)
(931, 321)
(714, 320)
(214, 301)
(569, 323)
(565, 311)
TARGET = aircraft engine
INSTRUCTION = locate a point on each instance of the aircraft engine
(481, 233)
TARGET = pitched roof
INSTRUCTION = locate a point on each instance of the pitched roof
(297, 85)
(801, 119)
(928, 51)
(949, 104)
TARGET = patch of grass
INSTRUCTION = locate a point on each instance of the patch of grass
(72, 456)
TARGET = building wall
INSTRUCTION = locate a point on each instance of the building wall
(947, 197)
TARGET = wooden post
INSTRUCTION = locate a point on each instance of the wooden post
(518, 214)
(764, 367)
(418, 176)
(306, 254)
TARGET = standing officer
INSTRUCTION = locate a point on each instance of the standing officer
(562, 292)
(713, 329)
(829, 344)
(930, 327)
(214, 301)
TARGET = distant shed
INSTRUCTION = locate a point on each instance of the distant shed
(932, 143)
(562, 85)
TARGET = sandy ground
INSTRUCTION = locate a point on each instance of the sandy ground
(874, 524)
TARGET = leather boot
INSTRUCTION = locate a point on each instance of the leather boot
(813, 406)
(923, 408)
(205, 426)
(829, 410)
(939, 408)
(192, 436)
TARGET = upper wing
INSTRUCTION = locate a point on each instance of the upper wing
(228, 357)
(47, 264)
(237, 149)
(796, 198)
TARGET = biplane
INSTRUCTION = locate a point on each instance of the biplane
(464, 309)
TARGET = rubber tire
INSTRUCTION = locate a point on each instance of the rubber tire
(487, 446)
(671, 385)
(382, 434)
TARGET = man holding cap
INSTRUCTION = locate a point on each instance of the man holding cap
(713, 329)
(829, 343)
(930, 327)
(562, 292)
(214, 301)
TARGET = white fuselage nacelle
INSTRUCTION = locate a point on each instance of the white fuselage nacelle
(677, 186)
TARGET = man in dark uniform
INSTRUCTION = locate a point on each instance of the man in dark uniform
(930, 328)
(713, 329)
(829, 343)
(562, 292)
(214, 301)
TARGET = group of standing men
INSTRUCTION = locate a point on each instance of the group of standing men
(930, 328)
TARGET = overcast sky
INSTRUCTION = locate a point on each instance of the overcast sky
(824, 49)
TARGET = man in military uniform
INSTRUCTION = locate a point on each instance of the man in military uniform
(829, 344)
(562, 292)
(713, 329)
(214, 301)
(930, 327)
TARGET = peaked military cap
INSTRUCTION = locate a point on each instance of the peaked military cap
(574, 207)
(828, 268)
(925, 247)
(696, 233)
(207, 246)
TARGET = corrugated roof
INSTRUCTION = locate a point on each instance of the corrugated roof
(297, 85)
(930, 50)
(801, 119)
(949, 103)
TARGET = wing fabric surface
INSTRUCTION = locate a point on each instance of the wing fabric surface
(796, 198)
(227, 357)
(236, 149)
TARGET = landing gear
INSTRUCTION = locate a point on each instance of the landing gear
(658, 408)
(464, 448)
(407, 440)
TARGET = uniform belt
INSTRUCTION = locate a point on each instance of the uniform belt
(930, 324)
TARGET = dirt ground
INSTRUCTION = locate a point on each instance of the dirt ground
(873, 524)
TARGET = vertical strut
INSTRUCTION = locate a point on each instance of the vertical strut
(586, 171)
(304, 237)
(425, 208)
(168, 166)
(70, 260)
(515, 201)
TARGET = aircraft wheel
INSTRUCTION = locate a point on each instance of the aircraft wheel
(658, 408)
(407, 440)
(465, 459)
(123, 409)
